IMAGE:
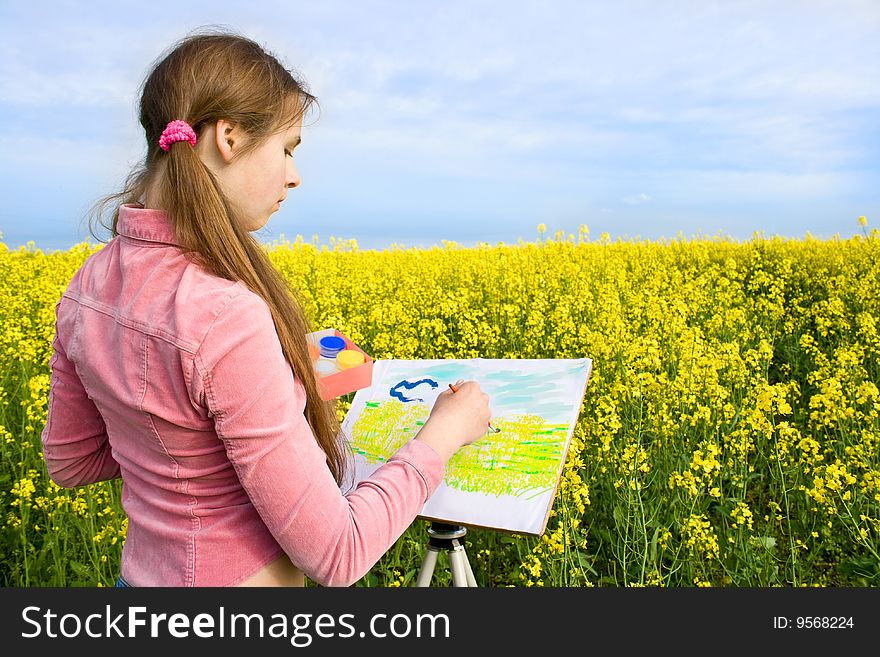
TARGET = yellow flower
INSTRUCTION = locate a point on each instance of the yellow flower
(713, 361)
(701, 537)
(742, 516)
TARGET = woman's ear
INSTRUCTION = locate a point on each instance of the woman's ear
(226, 138)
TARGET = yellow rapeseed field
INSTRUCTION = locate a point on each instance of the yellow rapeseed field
(729, 435)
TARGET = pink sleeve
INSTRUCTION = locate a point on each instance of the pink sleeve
(259, 415)
(75, 445)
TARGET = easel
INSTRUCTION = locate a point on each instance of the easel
(443, 536)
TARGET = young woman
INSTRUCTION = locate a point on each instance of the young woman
(180, 361)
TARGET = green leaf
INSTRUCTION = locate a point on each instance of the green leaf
(766, 542)
(603, 534)
(584, 562)
(408, 576)
(619, 517)
(863, 566)
(80, 569)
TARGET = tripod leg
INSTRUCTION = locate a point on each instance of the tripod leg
(471, 580)
(429, 561)
(458, 566)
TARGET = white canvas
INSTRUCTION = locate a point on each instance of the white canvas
(505, 480)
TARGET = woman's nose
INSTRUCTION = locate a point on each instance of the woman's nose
(293, 179)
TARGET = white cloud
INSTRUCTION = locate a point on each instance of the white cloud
(637, 199)
(32, 87)
(55, 62)
(714, 99)
(50, 157)
(740, 81)
(756, 185)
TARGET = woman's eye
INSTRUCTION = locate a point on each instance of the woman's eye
(287, 153)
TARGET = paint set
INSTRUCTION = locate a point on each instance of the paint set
(341, 367)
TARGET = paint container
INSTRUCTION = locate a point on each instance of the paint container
(348, 358)
(330, 346)
(325, 366)
(337, 372)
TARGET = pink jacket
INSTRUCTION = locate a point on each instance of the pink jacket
(174, 379)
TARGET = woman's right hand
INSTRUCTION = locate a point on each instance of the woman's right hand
(457, 418)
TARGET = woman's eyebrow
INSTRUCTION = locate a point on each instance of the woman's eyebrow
(296, 142)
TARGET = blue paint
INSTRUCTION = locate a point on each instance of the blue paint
(395, 392)
(331, 345)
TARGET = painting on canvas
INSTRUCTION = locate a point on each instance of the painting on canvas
(505, 480)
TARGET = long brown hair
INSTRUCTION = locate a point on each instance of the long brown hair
(209, 75)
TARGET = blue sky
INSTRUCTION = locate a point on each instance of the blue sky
(476, 121)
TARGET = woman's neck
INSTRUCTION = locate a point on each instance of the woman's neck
(149, 200)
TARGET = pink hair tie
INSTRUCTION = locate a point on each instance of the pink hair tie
(177, 131)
